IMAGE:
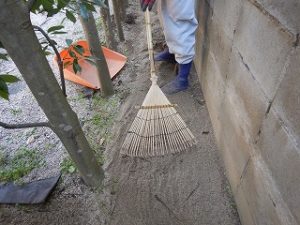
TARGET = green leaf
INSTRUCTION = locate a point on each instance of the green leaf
(50, 6)
(8, 78)
(3, 56)
(69, 42)
(4, 79)
(55, 28)
(47, 53)
(93, 58)
(35, 6)
(70, 16)
(76, 66)
(63, 20)
(92, 62)
(1, 45)
(71, 169)
(4, 94)
(79, 49)
(4, 90)
(62, 3)
(59, 32)
(72, 54)
(90, 7)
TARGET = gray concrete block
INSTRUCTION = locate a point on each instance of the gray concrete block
(226, 14)
(236, 113)
(220, 46)
(287, 99)
(201, 50)
(246, 216)
(202, 10)
(260, 195)
(204, 13)
(282, 156)
(286, 12)
(246, 59)
(247, 102)
(213, 87)
(231, 140)
(263, 45)
(235, 150)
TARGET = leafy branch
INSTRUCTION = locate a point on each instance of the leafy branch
(4, 79)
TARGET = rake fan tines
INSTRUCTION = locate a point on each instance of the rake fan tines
(157, 129)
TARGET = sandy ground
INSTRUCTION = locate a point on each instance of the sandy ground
(188, 188)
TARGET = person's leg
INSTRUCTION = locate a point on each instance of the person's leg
(179, 25)
(165, 55)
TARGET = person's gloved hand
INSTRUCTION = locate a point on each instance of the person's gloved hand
(147, 4)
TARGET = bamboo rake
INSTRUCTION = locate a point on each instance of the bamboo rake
(157, 129)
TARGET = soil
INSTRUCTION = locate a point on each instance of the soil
(187, 188)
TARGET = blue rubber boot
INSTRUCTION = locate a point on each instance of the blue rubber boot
(165, 56)
(180, 83)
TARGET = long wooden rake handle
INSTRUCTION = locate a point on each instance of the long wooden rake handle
(150, 46)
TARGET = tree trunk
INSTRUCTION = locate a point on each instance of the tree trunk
(22, 45)
(122, 9)
(107, 26)
(91, 34)
(117, 17)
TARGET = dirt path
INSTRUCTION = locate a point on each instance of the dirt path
(188, 188)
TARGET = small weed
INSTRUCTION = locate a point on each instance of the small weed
(102, 121)
(49, 146)
(99, 23)
(67, 166)
(229, 192)
(81, 96)
(99, 126)
(19, 165)
(78, 97)
(30, 132)
(111, 102)
(100, 157)
(106, 110)
(16, 112)
(2, 157)
(98, 150)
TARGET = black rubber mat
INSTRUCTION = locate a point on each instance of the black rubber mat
(31, 193)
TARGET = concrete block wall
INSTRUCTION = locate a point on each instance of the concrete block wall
(248, 62)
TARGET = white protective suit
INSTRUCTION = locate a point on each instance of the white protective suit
(179, 24)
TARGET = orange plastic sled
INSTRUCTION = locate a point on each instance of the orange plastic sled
(88, 75)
